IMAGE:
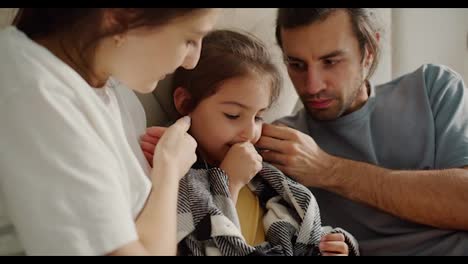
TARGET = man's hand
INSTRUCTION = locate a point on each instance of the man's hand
(296, 154)
(149, 141)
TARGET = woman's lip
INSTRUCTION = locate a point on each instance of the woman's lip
(322, 104)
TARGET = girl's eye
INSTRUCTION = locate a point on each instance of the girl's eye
(258, 119)
(232, 117)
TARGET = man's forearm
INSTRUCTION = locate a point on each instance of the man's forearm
(434, 197)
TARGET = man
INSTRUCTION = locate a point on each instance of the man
(387, 163)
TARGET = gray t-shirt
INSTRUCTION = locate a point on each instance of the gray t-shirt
(418, 121)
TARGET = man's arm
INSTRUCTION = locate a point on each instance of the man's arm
(432, 197)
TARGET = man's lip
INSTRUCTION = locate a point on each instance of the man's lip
(320, 104)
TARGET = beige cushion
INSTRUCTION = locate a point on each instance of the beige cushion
(158, 105)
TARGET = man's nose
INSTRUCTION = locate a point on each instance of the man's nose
(314, 81)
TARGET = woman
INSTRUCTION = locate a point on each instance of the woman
(74, 180)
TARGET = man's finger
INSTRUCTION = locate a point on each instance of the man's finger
(279, 132)
(270, 143)
(279, 124)
(274, 157)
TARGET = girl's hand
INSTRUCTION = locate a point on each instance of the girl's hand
(241, 164)
(149, 141)
(333, 245)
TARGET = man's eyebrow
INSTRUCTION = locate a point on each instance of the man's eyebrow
(323, 57)
(291, 58)
(332, 54)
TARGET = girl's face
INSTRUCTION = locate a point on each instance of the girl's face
(141, 57)
(232, 115)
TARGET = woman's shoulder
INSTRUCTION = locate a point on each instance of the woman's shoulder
(27, 66)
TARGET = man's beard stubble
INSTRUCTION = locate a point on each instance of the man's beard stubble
(344, 104)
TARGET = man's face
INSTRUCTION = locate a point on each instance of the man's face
(326, 67)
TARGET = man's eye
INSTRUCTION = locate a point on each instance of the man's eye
(297, 66)
(329, 62)
(232, 117)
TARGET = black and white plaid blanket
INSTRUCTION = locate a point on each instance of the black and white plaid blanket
(208, 223)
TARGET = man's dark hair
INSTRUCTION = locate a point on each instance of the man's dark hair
(363, 21)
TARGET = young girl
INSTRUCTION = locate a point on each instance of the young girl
(229, 202)
(73, 179)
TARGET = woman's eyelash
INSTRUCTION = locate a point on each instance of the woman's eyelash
(191, 43)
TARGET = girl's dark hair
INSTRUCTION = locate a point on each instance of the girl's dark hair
(227, 54)
(363, 21)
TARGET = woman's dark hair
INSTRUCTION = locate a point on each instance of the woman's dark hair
(42, 22)
(363, 21)
(83, 28)
(225, 55)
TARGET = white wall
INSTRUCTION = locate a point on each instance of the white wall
(423, 35)
(384, 69)
(465, 75)
(6, 16)
(261, 23)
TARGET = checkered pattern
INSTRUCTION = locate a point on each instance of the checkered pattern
(208, 222)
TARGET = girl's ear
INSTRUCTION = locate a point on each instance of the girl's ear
(182, 101)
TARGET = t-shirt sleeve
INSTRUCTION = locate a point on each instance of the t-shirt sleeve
(61, 185)
(449, 102)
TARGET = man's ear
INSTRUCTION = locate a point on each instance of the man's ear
(369, 57)
(182, 101)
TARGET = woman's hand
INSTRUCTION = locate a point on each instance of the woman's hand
(149, 141)
(333, 245)
(175, 150)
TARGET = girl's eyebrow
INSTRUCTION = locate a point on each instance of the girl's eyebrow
(240, 105)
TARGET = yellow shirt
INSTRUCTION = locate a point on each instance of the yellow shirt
(250, 217)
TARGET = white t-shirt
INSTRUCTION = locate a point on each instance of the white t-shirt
(72, 175)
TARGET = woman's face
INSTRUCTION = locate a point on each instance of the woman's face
(141, 57)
